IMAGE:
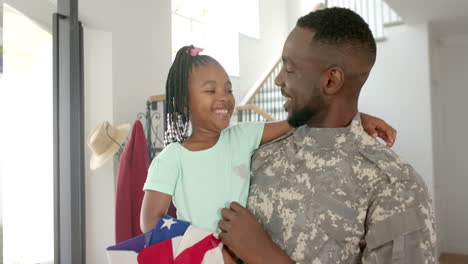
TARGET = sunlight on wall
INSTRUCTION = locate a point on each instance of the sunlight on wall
(308, 6)
(27, 164)
(215, 25)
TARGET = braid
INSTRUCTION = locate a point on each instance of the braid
(177, 93)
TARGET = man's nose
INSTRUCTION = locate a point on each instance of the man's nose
(279, 79)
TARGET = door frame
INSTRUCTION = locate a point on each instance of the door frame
(69, 177)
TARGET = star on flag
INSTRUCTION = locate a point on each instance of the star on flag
(168, 223)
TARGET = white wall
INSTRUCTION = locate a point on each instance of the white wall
(100, 197)
(398, 90)
(450, 92)
(299, 8)
(126, 62)
(1, 175)
(419, 85)
(1, 192)
(141, 55)
(259, 55)
(235, 81)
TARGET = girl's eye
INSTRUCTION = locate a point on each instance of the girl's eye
(211, 91)
(230, 91)
(287, 71)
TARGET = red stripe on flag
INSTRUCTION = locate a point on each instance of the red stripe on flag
(160, 253)
(195, 253)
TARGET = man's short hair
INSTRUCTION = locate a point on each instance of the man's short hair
(340, 27)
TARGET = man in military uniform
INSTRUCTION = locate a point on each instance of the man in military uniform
(328, 192)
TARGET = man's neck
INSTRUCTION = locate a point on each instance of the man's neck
(334, 118)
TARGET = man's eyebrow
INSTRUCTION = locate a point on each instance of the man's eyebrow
(287, 61)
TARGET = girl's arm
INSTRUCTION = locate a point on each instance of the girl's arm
(155, 205)
(274, 130)
(372, 125)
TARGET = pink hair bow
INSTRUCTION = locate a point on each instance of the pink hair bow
(195, 51)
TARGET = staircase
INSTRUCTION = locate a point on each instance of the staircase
(264, 101)
(376, 13)
(266, 97)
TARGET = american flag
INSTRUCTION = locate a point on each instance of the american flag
(171, 241)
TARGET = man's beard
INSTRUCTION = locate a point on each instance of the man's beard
(300, 118)
(315, 107)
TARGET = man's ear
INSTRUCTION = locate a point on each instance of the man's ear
(333, 80)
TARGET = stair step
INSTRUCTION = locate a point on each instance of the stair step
(266, 101)
(380, 39)
(393, 24)
(272, 108)
(276, 91)
(256, 117)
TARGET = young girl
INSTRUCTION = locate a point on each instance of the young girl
(206, 170)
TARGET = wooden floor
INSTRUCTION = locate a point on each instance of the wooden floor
(446, 258)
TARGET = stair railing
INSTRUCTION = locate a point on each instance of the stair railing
(377, 13)
(264, 103)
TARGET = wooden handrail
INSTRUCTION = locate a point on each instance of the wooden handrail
(157, 98)
(257, 110)
(320, 6)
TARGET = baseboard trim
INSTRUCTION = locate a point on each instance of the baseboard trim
(449, 258)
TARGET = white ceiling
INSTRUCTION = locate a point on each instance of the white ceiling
(98, 14)
(38, 10)
(446, 17)
(414, 11)
(451, 27)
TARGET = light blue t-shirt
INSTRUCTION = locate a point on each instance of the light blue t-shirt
(203, 182)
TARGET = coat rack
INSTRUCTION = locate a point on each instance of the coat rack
(154, 120)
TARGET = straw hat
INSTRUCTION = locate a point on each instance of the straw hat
(104, 141)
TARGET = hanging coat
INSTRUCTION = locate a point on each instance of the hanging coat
(133, 169)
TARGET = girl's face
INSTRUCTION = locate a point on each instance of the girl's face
(211, 99)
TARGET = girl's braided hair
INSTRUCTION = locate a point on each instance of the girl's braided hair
(177, 92)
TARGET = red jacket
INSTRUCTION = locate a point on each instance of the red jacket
(133, 169)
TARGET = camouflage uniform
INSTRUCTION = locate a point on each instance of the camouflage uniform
(336, 195)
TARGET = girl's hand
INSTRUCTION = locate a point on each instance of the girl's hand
(376, 127)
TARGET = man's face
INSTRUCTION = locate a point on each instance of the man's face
(299, 78)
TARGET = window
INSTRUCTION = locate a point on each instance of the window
(26, 156)
(215, 26)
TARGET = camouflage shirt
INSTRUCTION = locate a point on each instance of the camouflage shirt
(336, 195)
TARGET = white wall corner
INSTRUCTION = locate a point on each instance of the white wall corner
(100, 183)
